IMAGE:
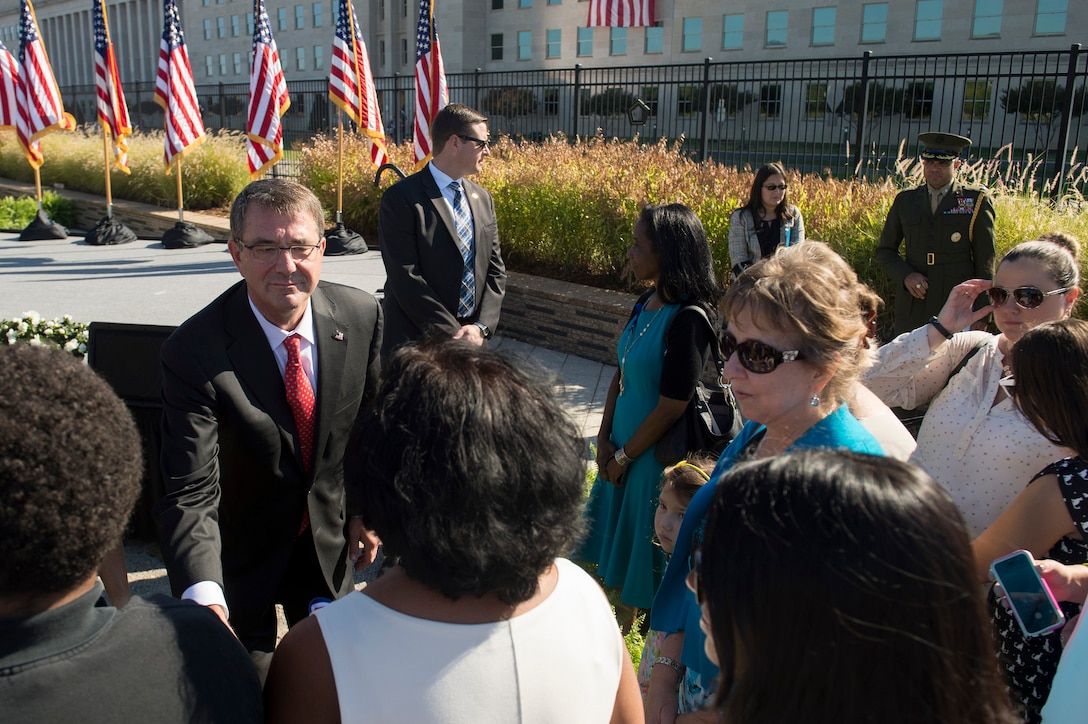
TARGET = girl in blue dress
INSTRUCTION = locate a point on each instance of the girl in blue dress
(661, 355)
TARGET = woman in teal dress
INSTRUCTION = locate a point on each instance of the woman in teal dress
(661, 355)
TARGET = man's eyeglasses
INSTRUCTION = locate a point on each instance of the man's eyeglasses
(1026, 297)
(267, 253)
(773, 187)
(756, 356)
(481, 143)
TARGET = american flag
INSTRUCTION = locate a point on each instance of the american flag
(620, 13)
(174, 89)
(268, 99)
(351, 86)
(9, 86)
(37, 98)
(112, 110)
(430, 81)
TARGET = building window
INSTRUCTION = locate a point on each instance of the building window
(496, 4)
(318, 18)
(655, 39)
(733, 32)
(319, 57)
(1050, 17)
(525, 45)
(300, 17)
(235, 26)
(249, 23)
(496, 46)
(976, 100)
(404, 51)
(585, 42)
(209, 66)
(381, 9)
(617, 41)
(778, 22)
(987, 23)
(404, 8)
(927, 19)
(551, 101)
(554, 44)
(237, 58)
(300, 58)
(281, 19)
(816, 100)
(823, 26)
(692, 40)
(770, 101)
(525, 3)
(874, 23)
(555, 2)
(222, 64)
(381, 53)
(207, 28)
(918, 99)
(221, 27)
(687, 100)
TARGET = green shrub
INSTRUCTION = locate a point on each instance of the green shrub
(17, 213)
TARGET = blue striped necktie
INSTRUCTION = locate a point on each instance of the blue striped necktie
(466, 303)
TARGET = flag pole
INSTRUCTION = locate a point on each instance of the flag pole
(340, 167)
(106, 160)
(177, 172)
(38, 185)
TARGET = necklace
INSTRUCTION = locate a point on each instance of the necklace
(639, 309)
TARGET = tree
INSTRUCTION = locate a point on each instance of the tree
(510, 102)
(611, 102)
(1042, 103)
(876, 102)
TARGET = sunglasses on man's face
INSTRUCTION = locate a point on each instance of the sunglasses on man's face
(1026, 297)
(755, 356)
(480, 143)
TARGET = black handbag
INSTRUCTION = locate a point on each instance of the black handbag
(710, 421)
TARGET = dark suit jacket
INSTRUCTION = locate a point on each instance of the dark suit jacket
(939, 245)
(423, 263)
(235, 483)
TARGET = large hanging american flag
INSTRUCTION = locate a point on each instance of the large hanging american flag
(268, 99)
(175, 91)
(620, 13)
(112, 110)
(9, 85)
(431, 94)
(40, 109)
(351, 85)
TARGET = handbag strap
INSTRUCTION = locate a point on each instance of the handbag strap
(715, 347)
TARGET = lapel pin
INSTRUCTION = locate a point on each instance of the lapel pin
(339, 336)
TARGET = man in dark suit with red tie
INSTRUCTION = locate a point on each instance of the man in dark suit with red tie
(260, 390)
(440, 242)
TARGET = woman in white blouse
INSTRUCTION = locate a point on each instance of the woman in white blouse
(972, 439)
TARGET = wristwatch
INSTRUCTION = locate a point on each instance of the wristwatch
(484, 329)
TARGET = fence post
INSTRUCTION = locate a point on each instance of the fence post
(222, 106)
(476, 89)
(1060, 164)
(859, 139)
(577, 98)
(705, 112)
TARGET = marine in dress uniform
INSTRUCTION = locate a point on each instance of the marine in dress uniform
(945, 229)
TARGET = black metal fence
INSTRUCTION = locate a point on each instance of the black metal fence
(848, 116)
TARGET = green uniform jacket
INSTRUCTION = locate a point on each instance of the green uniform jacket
(939, 245)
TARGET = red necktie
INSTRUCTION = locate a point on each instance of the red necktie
(300, 396)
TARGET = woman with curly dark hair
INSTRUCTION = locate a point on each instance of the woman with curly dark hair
(472, 475)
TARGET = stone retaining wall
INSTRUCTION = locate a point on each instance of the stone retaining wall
(561, 316)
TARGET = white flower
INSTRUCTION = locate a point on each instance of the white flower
(35, 341)
(12, 336)
(23, 327)
(32, 317)
(71, 345)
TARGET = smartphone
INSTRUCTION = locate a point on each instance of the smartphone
(1032, 603)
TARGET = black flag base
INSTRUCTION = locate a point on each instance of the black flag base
(185, 236)
(341, 241)
(43, 227)
(109, 231)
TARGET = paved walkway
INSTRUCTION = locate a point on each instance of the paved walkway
(145, 283)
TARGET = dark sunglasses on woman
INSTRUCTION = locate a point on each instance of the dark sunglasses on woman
(1026, 297)
(755, 356)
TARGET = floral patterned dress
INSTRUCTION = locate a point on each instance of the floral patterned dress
(1030, 662)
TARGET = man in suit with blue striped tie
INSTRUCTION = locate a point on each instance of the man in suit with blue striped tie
(440, 242)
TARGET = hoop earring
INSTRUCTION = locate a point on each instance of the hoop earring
(815, 401)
